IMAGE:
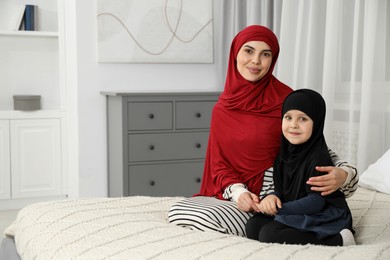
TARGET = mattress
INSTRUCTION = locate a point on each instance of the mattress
(137, 228)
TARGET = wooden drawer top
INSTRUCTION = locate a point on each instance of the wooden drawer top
(194, 114)
(179, 179)
(150, 115)
(169, 115)
(160, 93)
(167, 146)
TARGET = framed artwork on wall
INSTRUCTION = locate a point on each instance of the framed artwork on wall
(155, 31)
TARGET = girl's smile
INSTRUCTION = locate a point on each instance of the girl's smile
(297, 127)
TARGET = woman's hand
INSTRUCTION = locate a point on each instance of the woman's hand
(248, 201)
(270, 205)
(328, 183)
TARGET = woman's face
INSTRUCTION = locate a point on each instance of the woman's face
(254, 60)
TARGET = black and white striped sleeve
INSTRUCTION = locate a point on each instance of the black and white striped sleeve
(232, 192)
(268, 183)
(351, 183)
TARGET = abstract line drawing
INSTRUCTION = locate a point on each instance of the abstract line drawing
(155, 31)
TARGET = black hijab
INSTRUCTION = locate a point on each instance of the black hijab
(296, 163)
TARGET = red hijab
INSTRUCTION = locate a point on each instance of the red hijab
(246, 123)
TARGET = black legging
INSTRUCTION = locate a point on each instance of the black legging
(265, 229)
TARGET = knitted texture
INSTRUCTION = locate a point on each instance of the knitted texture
(137, 228)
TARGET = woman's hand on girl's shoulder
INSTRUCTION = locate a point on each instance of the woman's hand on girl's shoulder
(330, 182)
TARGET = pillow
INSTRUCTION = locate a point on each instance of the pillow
(377, 175)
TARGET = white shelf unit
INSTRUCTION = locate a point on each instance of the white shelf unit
(29, 33)
(47, 15)
(32, 62)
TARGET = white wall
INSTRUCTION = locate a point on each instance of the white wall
(94, 77)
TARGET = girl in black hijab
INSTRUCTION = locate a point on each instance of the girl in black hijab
(303, 216)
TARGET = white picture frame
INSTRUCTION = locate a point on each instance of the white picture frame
(155, 31)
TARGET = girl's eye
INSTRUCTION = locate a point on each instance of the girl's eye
(304, 119)
(248, 51)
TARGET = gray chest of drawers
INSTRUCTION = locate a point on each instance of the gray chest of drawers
(157, 142)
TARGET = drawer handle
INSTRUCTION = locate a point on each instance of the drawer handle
(198, 115)
(198, 145)
(151, 147)
(152, 183)
(151, 116)
(198, 180)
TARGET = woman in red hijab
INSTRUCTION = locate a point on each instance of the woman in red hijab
(245, 128)
(244, 141)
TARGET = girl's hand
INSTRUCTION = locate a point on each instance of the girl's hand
(248, 201)
(328, 183)
(270, 205)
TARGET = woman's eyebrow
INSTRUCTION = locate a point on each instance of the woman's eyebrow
(250, 47)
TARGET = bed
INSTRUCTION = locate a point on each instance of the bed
(137, 228)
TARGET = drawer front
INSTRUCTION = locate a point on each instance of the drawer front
(167, 146)
(182, 179)
(150, 115)
(192, 115)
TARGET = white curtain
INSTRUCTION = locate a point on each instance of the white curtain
(339, 48)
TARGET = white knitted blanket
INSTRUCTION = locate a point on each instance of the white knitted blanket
(137, 228)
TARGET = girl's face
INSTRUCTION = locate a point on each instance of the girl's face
(297, 127)
(254, 60)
